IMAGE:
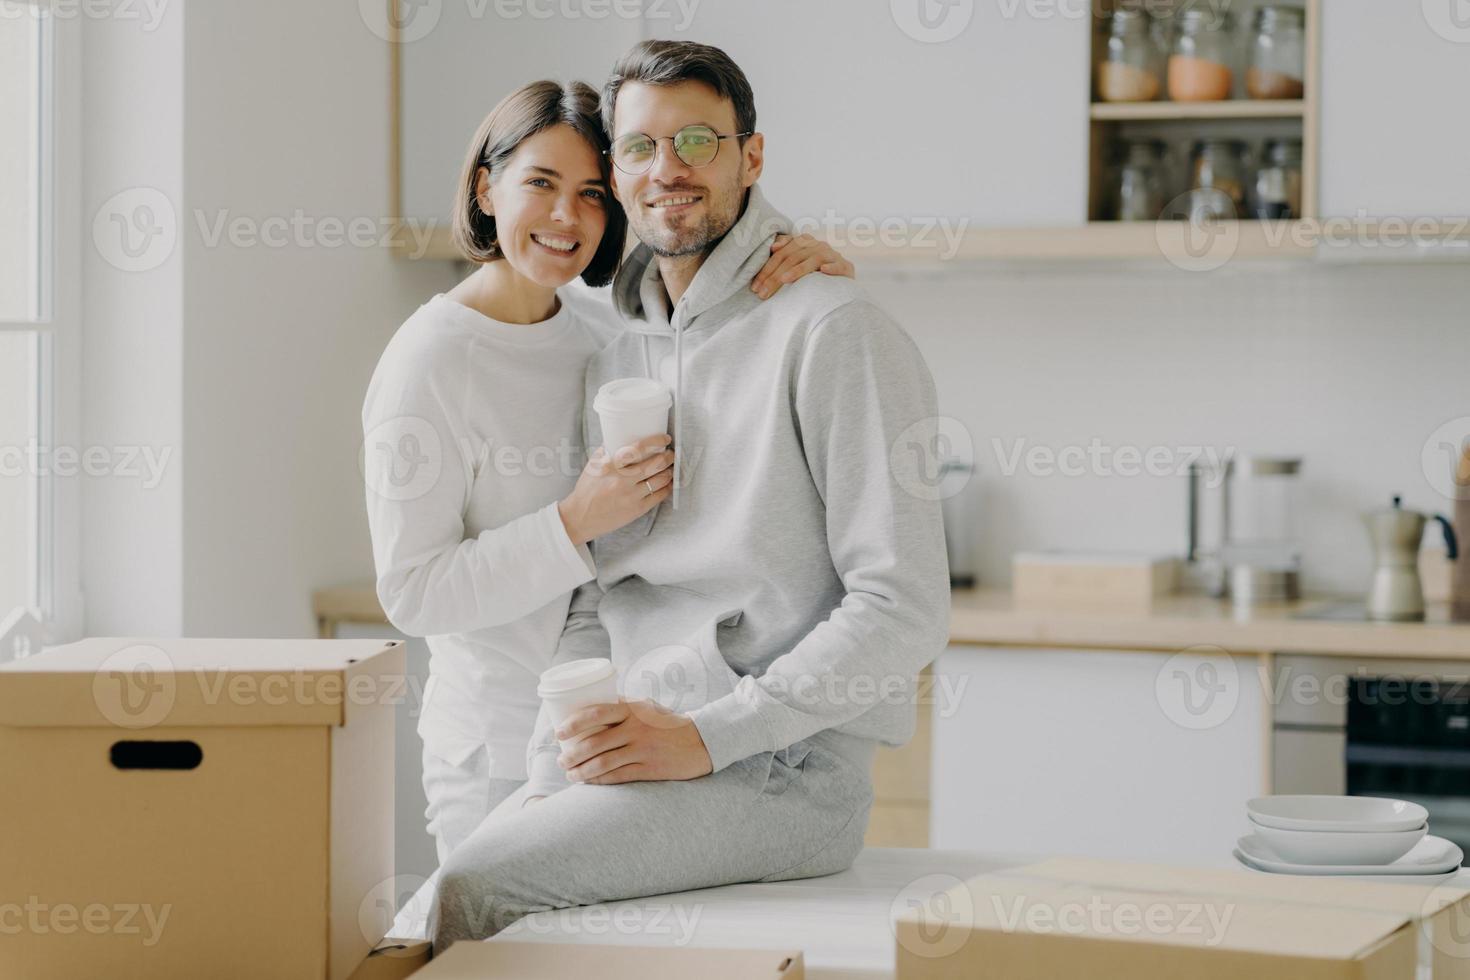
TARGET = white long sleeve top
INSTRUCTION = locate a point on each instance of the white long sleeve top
(472, 433)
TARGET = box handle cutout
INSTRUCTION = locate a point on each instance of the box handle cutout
(156, 755)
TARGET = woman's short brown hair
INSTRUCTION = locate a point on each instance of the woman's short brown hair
(519, 116)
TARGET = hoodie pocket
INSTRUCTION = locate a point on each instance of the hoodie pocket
(687, 674)
(786, 768)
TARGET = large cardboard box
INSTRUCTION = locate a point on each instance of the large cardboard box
(516, 960)
(1077, 917)
(169, 802)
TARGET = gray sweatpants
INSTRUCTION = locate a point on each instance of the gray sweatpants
(796, 813)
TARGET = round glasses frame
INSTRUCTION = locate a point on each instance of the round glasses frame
(674, 141)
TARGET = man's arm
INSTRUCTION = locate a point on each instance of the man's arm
(867, 412)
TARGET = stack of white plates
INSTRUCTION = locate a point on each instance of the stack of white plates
(1345, 836)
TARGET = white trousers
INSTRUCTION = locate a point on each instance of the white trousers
(461, 793)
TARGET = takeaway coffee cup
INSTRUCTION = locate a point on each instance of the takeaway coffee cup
(577, 684)
(631, 409)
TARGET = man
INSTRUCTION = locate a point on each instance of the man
(769, 621)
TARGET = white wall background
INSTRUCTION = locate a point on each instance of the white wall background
(1351, 367)
(132, 329)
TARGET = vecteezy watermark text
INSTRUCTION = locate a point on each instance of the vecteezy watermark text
(97, 918)
(1099, 459)
(143, 463)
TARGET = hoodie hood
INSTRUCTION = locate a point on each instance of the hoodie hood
(638, 292)
(728, 269)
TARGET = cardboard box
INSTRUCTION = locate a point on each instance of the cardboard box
(1091, 580)
(394, 959)
(1109, 919)
(168, 802)
(515, 960)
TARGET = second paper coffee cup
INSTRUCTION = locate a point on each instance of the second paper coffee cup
(631, 409)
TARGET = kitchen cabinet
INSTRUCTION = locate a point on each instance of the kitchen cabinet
(1394, 142)
(901, 784)
(879, 138)
(979, 118)
(1075, 752)
(924, 131)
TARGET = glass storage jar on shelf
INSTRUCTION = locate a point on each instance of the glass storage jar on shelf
(1217, 181)
(1276, 193)
(1202, 61)
(1131, 66)
(1136, 181)
(1277, 53)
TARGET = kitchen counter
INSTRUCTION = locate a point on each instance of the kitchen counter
(991, 617)
(1322, 625)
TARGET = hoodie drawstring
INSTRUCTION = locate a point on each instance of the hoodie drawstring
(678, 393)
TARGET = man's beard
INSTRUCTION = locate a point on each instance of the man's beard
(721, 212)
(677, 243)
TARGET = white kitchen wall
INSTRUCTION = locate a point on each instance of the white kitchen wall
(1353, 367)
(132, 327)
(286, 114)
(244, 358)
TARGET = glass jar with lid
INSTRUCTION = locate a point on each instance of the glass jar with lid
(1136, 183)
(1131, 67)
(1217, 181)
(1276, 192)
(1277, 53)
(1202, 62)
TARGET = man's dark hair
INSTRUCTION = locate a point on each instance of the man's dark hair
(672, 62)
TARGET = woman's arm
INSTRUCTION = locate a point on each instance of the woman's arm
(431, 578)
(792, 258)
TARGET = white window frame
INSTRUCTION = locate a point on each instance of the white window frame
(53, 548)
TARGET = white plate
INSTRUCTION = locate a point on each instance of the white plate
(1431, 856)
(1376, 879)
(1336, 813)
(1339, 846)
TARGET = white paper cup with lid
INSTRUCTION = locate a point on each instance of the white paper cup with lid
(568, 687)
(631, 409)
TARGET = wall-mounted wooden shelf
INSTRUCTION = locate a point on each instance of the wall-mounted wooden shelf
(1179, 124)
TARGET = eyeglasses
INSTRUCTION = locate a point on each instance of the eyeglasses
(697, 146)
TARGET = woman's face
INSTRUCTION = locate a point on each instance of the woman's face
(550, 206)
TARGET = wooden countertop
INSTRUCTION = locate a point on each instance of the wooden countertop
(990, 617)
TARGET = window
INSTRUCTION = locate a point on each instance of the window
(31, 563)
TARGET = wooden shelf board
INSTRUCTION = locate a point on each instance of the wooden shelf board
(1165, 241)
(1191, 111)
(1095, 240)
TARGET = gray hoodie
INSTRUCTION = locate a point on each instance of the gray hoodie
(800, 584)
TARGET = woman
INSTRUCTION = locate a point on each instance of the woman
(480, 517)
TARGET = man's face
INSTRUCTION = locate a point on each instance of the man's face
(673, 208)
